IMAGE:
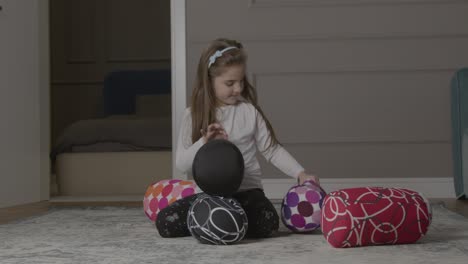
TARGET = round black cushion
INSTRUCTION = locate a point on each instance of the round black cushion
(218, 168)
(217, 220)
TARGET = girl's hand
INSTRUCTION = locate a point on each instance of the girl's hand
(302, 177)
(214, 131)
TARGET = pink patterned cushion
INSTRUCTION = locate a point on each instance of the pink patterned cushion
(374, 216)
(163, 193)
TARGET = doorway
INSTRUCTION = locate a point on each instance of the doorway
(91, 41)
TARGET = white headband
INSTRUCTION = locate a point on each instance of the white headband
(218, 54)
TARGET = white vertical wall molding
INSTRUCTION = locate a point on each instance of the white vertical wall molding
(44, 99)
(179, 76)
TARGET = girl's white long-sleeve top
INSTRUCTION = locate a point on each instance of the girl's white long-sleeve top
(247, 129)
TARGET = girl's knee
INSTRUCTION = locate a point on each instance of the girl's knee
(171, 224)
(263, 223)
(172, 220)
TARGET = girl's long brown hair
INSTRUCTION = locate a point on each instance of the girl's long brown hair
(204, 103)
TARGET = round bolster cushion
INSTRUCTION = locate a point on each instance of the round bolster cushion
(163, 193)
(367, 216)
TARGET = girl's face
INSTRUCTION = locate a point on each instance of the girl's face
(229, 84)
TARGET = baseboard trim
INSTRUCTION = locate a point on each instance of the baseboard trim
(275, 189)
(97, 200)
(430, 187)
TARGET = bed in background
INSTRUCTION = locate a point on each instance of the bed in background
(125, 150)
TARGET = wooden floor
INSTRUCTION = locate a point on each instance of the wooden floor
(458, 206)
(24, 211)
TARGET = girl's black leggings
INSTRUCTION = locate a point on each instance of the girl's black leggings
(261, 214)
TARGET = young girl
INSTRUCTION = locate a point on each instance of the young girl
(224, 106)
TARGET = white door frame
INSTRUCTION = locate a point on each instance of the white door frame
(44, 99)
(179, 76)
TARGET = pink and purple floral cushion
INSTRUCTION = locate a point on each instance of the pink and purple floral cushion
(163, 193)
(301, 207)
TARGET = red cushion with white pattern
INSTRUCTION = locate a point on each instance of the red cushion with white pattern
(368, 216)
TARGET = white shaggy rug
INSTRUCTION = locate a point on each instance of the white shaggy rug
(124, 235)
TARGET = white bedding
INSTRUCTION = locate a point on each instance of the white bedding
(111, 173)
